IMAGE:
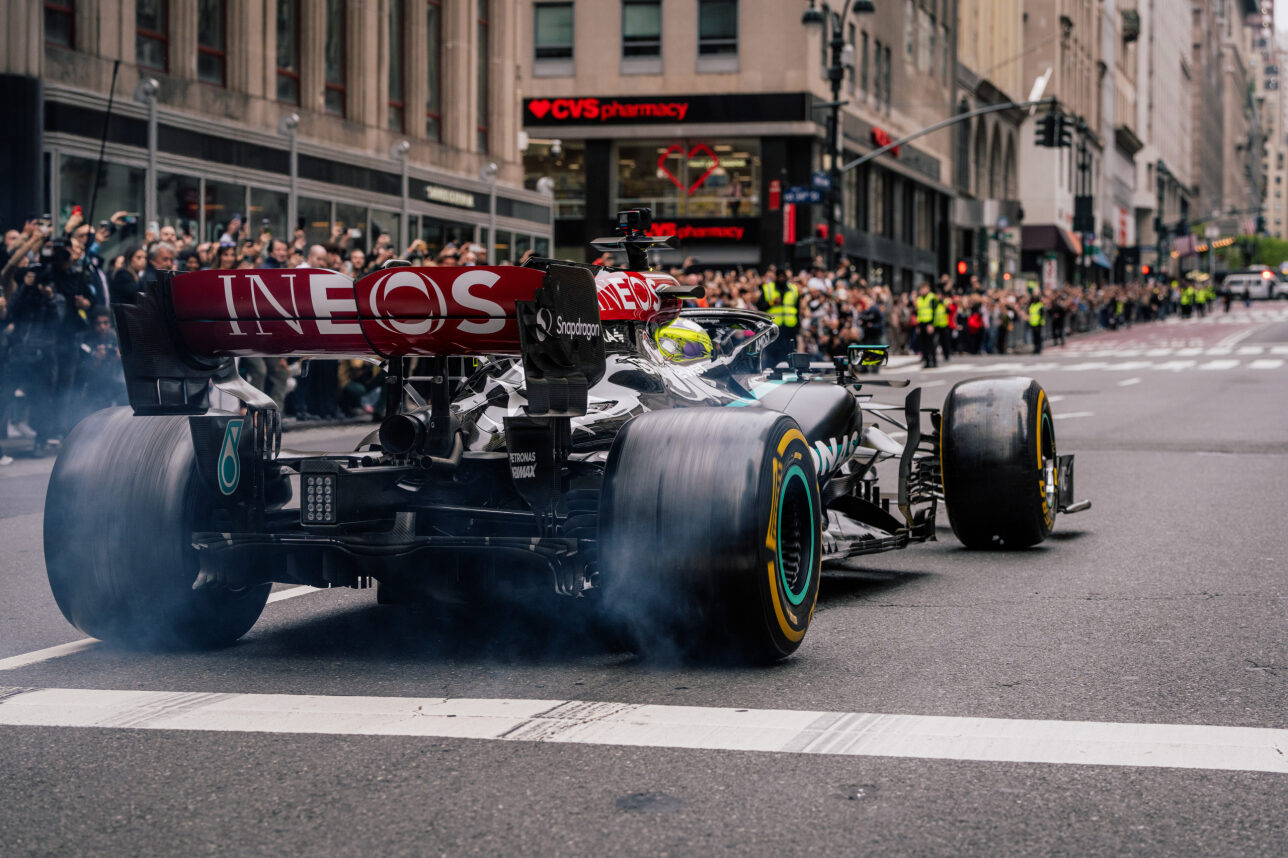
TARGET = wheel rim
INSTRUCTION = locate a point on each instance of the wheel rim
(795, 535)
(1049, 488)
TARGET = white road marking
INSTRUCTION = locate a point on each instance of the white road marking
(1055, 399)
(16, 661)
(1279, 350)
(1266, 363)
(1236, 338)
(1187, 746)
(1069, 414)
(1250, 350)
(1176, 365)
(1131, 365)
(50, 653)
(1128, 382)
(1219, 364)
(1095, 364)
(1188, 352)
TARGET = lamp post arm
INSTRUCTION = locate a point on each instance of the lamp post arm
(952, 120)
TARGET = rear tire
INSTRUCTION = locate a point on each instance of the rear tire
(123, 501)
(997, 453)
(709, 533)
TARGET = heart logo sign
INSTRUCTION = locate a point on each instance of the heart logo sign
(539, 107)
(694, 154)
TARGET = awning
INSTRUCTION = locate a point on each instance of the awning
(1101, 260)
(1050, 237)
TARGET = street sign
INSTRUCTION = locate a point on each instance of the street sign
(775, 194)
(789, 223)
(821, 180)
(802, 195)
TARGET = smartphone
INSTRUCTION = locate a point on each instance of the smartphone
(76, 210)
(355, 233)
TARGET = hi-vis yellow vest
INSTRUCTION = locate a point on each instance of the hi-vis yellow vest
(925, 309)
(784, 314)
(1035, 314)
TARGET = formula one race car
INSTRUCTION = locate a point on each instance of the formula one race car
(607, 444)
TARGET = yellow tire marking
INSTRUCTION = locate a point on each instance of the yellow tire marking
(787, 439)
(788, 632)
(770, 542)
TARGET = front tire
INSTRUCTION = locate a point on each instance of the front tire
(123, 501)
(997, 456)
(709, 533)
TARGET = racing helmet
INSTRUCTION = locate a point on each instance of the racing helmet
(683, 341)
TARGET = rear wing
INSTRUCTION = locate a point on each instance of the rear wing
(186, 330)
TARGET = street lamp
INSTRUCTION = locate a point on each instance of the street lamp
(289, 125)
(488, 174)
(835, 74)
(398, 152)
(146, 93)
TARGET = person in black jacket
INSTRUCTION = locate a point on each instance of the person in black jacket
(38, 313)
(127, 281)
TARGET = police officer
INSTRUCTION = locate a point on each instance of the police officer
(941, 321)
(925, 304)
(781, 299)
(1187, 301)
(1037, 318)
(1201, 299)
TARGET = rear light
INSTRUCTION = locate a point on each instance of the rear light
(320, 499)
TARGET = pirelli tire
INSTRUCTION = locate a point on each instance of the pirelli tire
(998, 461)
(123, 501)
(709, 525)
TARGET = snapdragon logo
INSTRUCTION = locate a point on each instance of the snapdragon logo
(588, 330)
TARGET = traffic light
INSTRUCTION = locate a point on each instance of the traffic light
(1064, 130)
(1261, 224)
(1144, 270)
(963, 276)
(1046, 135)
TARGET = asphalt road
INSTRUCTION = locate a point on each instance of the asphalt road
(1163, 605)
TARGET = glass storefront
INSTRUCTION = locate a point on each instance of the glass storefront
(437, 233)
(567, 169)
(314, 217)
(690, 177)
(179, 203)
(268, 211)
(385, 223)
(120, 188)
(223, 202)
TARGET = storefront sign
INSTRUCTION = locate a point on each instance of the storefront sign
(722, 230)
(449, 196)
(667, 110)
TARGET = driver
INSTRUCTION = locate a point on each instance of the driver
(683, 342)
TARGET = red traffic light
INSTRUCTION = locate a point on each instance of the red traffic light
(1144, 269)
(961, 266)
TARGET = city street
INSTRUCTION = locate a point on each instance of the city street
(1027, 691)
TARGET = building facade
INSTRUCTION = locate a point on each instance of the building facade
(1276, 137)
(383, 116)
(713, 114)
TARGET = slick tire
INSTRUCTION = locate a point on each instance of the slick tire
(123, 501)
(709, 525)
(997, 456)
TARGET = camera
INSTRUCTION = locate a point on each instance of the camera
(634, 220)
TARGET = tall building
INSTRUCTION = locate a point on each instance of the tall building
(1115, 195)
(711, 111)
(1276, 136)
(381, 115)
(1064, 38)
(987, 213)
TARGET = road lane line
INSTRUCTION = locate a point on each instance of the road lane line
(1068, 414)
(50, 653)
(1228, 363)
(1266, 363)
(1185, 746)
(16, 661)
(1128, 382)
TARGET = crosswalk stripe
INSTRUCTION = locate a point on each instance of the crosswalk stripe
(1266, 363)
(1010, 740)
(1219, 364)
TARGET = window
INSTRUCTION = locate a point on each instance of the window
(641, 28)
(334, 89)
(60, 24)
(397, 104)
(946, 46)
(689, 178)
(851, 38)
(552, 23)
(288, 51)
(482, 105)
(925, 43)
(717, 27)
(889, 75)
(877, 86)
(152, 34)
(567, 169)
(909, 31)
(210, 42)
(434, 53)
(932, 55)
(863, 63)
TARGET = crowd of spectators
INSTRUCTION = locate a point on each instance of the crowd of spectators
(59, 357)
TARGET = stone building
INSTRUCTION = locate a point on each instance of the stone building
(382, 115)
(711, 111)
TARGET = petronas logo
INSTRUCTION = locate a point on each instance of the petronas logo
(229, 463)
